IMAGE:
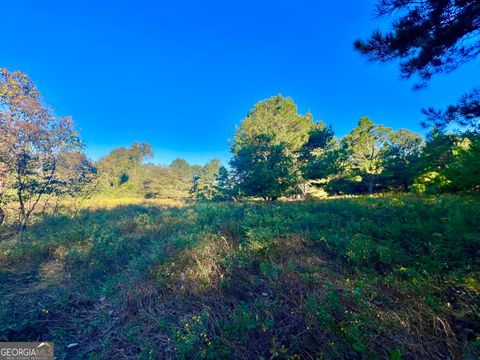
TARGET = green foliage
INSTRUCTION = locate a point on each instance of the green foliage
(341, 278)
(271, 149)
(164, 181)
(265, 169)
(205, 181)
(32, 141)
(76, 179)
(448, 163)
(401, 160)
(276, 153)
(318, 154)
(372, 158)
(465, 114)
(430, 37)
(364, 147)
(124, 173)
(278, 119)
(319, 139)
(225, 188)
(431, 182)
(464, 171)
(122, 165)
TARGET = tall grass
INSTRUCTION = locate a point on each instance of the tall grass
(386, 277)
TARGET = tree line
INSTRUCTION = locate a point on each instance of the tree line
(127, 172)
(42, 158)
(276, 152)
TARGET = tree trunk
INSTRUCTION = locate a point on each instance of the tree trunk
(370, 184)
(22, 213)
(2, 216)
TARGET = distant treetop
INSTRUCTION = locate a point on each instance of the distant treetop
(278, 118)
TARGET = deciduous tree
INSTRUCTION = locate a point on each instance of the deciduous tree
(31, 140)
(123, 164)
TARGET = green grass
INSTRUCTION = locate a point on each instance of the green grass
(388, 277)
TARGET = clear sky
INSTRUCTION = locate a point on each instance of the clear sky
(182, 74)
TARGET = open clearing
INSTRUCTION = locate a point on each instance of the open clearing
(363, 277)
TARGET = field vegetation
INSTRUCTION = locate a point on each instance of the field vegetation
(383, 277)
(306, 245)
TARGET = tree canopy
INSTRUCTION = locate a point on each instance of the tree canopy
(276, 152)
(32, 139)
(430, 37)
(265, 169)
(277, 118)
(364, 147)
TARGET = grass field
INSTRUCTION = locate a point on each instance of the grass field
(389, 277)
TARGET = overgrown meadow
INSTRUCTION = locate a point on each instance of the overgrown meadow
(393, 277)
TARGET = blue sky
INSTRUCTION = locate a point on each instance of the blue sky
(182, 74)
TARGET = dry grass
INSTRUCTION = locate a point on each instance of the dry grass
(386, 277)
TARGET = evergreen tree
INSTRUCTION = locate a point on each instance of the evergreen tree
(464, 172)
(401, 160)
(431, 37)
(277, 118)
(438, 154)
(315, 152)
(363, 150)
(265, 169)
